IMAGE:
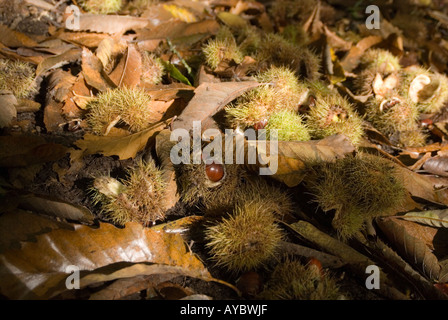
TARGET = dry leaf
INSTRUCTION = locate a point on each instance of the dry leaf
(124, 147)
(8, 110)
(92, 70)
(178, 29)
(110, 24)
(129, 70)
(209, 98)
(351, 59)
(293, 156)
(42, 266)
(13, 39)
(409, 238)
(55, 208)
(434, 218)
(20, 151)
(69, 56)
(437, 165)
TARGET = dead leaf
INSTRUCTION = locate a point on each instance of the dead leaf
(70, 56)
(110, 24)
(53, 116)
(129, 70)
(13, 39)
(178, 29)
(92, 69)
(84, 39)
(55, 208)
(167, 92)
(434, 218)
(8, 110)
(437, 165)
(209, 98)
(412, 240)
(17, 226)
(351, 59)
(20, 151)
(42, 266)
(294, 155)
(124, 147)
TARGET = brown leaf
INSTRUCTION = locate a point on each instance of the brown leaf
(124, 147)
(209, 98)
(178, 29)
(110, 24)
(129, 70)
(18, 225)
(53, 116)
(76, 99)
(412, 239)
(54, 62)
(437, 165)
(84, 39)
(293, 156)
(11, 38)
(167, 92)
(20, 151)
(163, 148)
(38, 270)
(351, 60)
(55, 208)
(8, 110)
(92, 69)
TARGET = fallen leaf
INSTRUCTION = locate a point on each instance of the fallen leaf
(70, 56)
(110, 24)
(8, 110)
(437, 165)
(17, 226)
(175, 73)
(351, 59)
(92, 70)
(13, 39)
(124, 147)
(209, 98)
(434, 218)
(412, 240)
(178, 29)
(55, 208)
(129, 70)
(39, 270)
(294, 155)
(21, 151)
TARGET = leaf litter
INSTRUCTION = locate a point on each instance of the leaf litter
(52, 160)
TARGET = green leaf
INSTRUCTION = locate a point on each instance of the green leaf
(175, 73)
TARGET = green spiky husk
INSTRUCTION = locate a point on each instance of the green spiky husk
(277, 51)
(357, 188)
(101, 6)
(434, 96)
(401, 117)
(139, 197)
(381, 61)
(245, 240)
(324, 121)
(131, 105)
(283, 91)
(17, 77)
(291, 280)
(222, 48)
(289, 125)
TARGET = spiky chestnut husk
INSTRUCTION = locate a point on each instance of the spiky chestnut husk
(295, 34)
(249, 40)
(245, 240)
(153, 69)
(282, 91)
(394, 114)
(292, 280)
(290, 126)
(101, 6)
(214, 197)
(429, 90)
(332, 114)
(277, 51)
(223, 47)
(358, 188)
(411, 138)
(381, 61)
(17, 77)
(125, 105)
(138, 198)
(370, 81)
